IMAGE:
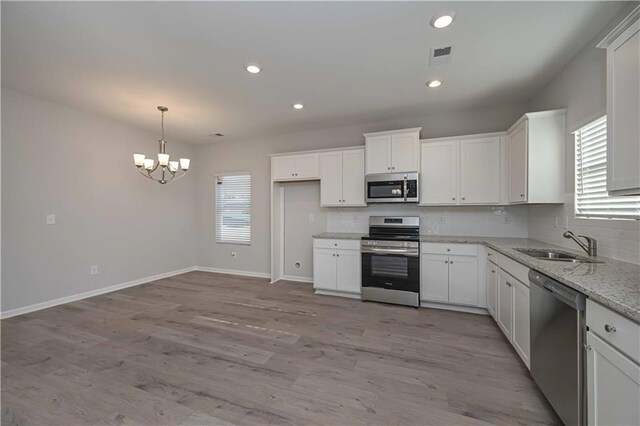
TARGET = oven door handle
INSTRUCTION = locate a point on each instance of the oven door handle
(405, 188)
(405, 252)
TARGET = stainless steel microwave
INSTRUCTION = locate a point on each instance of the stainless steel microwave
(392, 187)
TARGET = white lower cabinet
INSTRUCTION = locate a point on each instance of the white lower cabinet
(613, 367)
(491, 279)
(505, 304)
(449, 274)
(613, 385)
(520, 332)
(336, 266)
(513, 312)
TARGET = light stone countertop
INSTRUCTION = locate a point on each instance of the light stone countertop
(612, 283)
(339, 236)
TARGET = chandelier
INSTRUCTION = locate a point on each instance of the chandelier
(163, 171)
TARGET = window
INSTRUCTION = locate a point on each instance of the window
(233, 209)
(592, 199)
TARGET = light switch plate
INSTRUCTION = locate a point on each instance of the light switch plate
(51, 219)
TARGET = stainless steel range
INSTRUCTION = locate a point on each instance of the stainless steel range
(391, 260)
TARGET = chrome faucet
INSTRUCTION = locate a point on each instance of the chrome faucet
(591, 247)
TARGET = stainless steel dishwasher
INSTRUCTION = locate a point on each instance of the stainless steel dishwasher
(557, 333)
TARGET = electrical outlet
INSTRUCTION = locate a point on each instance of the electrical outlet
(442, 220)
(556, 222)
(506, 219)
(51, 219)
(565, 222)
(234, 254)
(93, 270)
(312, 218)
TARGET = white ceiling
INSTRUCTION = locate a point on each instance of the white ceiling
(347, 62)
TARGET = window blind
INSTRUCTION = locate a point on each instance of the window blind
(591, 197)
(233, 209)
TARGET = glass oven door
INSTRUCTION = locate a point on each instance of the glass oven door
(391, 271)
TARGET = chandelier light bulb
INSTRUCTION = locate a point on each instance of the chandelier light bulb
(138, 160)
(148, 163)
(184, 163)
(163, 159)
(173, 166)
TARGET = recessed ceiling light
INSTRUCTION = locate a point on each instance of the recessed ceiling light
(434, 83)
(442, 21)
(298, 106)
(253, 68)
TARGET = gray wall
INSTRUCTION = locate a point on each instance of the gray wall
(581, 88)
(253, 155)
(79, 167)
(301, 199)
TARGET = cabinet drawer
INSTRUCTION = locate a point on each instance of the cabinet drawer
(515, 269)
(492, 256)
(337, 244)
(456, 249)
(624, 334)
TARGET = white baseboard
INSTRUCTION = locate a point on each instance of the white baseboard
(233, 272)
(338, 294)
(297, 279)
(457, 308)
(92, 293)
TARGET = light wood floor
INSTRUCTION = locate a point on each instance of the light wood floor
(203, 348)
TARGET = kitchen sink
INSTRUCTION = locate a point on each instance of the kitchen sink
(555, 255)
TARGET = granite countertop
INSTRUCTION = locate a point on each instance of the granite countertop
(612, 283)
(340, 235)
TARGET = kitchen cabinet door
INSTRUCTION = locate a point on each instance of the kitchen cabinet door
(623, 110)
(517, 164)
(404, 153)
(324, 269)
(463, 280)
(434, 282)
(492, 288)
(520, 339)
(307, 166)
(439, 173)
(613, 385)
(480, 171)
(505, 303)
(348, 271)
(331, 171)
(353, 178)
(284, 168)
(378, 154)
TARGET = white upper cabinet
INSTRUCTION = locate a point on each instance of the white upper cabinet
(623, 106)
(480, 171)
(535, 158)
(295, 167)
(392, 152)
(461, 170)
(342, 178)
(439, 173)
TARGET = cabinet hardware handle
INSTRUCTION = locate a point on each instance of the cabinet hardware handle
(336, 244)
(509, 284)
(609, 328)
(464, 198)
(522, 195)
(450, 262)
(393, 167)
(446, 261)
(587, 347)
(493, 272)
(448, 249)
(334, 255)
(454, 198)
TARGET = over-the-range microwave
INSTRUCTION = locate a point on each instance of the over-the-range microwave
(392, 187)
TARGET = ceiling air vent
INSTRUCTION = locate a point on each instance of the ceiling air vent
(216, 135)
(440, 55)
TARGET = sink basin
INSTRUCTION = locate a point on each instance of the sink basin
(555, 255)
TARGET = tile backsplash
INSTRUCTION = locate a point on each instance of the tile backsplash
(618, 239)
(509, 221)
